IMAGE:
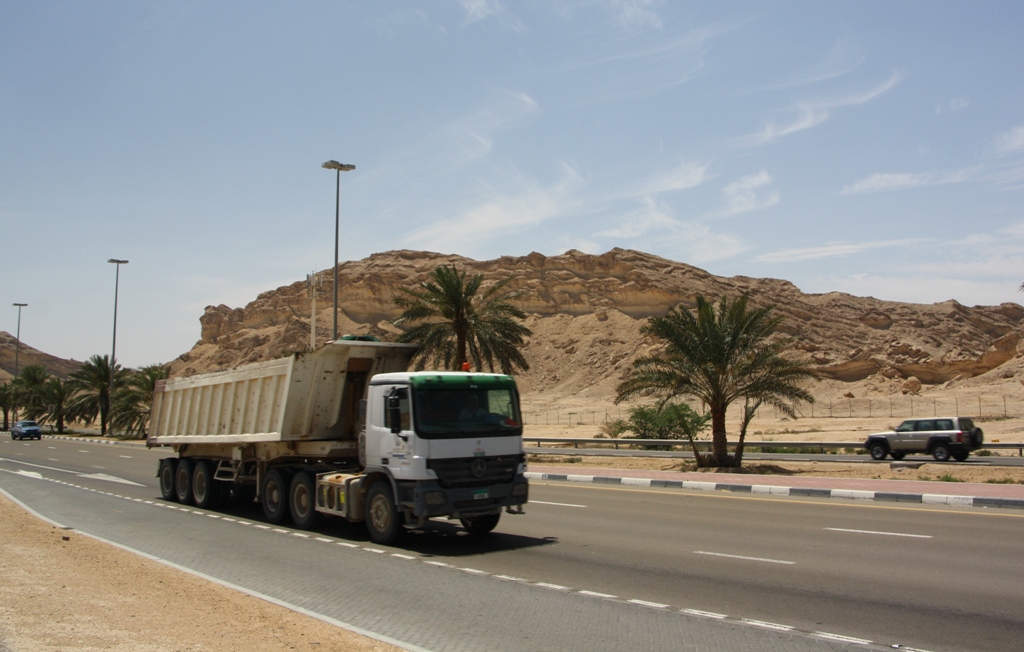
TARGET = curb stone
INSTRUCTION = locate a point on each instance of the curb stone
(812, 492)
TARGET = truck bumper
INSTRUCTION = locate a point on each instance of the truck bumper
(431, 499)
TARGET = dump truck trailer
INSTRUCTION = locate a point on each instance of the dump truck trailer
(345, 431)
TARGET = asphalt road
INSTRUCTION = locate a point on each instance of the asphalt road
(934, 578)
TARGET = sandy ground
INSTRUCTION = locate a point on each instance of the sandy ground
(60, 590)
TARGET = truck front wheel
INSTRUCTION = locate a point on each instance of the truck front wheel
(275, 496)
(381, 514)
(301, 501)
(480, 524)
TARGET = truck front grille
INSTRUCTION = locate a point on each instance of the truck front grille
(475, 471)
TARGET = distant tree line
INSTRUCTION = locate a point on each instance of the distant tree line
(84, 397)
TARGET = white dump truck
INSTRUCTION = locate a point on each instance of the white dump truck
(345, 431)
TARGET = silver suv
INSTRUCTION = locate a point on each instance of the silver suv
(941, 437)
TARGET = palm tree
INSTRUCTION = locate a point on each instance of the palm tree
(28, 387)
(718, 356)
(459, 325)
(132, 403)
(57, 393)
(91, 384)
(7, 403)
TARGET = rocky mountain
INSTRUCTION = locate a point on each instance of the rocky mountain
(29, 356)
(586, 312)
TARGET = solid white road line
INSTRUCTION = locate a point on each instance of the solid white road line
(541, 502)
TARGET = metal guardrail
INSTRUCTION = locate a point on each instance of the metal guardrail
(705, 444)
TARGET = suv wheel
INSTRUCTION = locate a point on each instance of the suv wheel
(941, 452)
(961, 456)
(878, 450)
(898, 456)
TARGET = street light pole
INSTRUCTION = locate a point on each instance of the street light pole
(340, 167)
(17, 338)
(113, 347)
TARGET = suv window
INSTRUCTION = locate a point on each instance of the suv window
(924, 425)
(944, 424)
(966, 424)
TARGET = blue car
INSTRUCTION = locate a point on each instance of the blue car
(26, 430)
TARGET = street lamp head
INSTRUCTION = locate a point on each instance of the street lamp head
(20, 305)
(118, 262)
(340, 167)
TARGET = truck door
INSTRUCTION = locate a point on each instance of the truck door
(396, 444)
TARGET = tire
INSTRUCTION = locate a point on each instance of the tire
(898, 456)
(166, 475)
(302, 501)
(878, 450)
(961, 455)
(183, 481)
(381, 514)
(204, 487)
(941, 452)
(275, 496)
(977, 438)
(480, 524)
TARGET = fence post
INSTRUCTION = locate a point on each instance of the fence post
(911, 405)
(890, 408)
(979, 407)
(869, 409)
(934, 408)
(957, 403)
(851, 408)
(1004, 406)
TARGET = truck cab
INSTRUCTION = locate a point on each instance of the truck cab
(449, 444)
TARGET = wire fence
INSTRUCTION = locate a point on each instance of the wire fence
(896, 407)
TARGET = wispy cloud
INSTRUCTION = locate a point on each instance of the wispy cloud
(472, 133)
(812, 114)
(479, 10)
(749, 193)
(1010, 142)
(843, 58)
(952, 106)
(888, 181)
(496, 213)
(830, 250)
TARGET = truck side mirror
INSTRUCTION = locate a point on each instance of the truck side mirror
(395, 414)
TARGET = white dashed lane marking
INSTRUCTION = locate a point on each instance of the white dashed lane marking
(764, 559)
(888, 534)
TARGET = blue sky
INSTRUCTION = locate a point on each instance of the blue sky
(875, 148)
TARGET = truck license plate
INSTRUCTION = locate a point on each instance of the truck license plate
(479, 495)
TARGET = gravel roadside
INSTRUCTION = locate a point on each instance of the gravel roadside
(61, 590)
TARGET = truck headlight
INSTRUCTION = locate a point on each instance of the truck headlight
(435, 498)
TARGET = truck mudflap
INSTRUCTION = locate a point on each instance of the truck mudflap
(429, 498)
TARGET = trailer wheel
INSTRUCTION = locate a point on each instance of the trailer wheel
(480, 524)
(166, 475)
(302, 501)
(381, 514)
(183, 481)
(275, 496)
(204, 488)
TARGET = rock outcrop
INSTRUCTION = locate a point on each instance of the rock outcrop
(586, 312)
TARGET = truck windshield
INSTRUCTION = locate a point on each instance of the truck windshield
(467, 412)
